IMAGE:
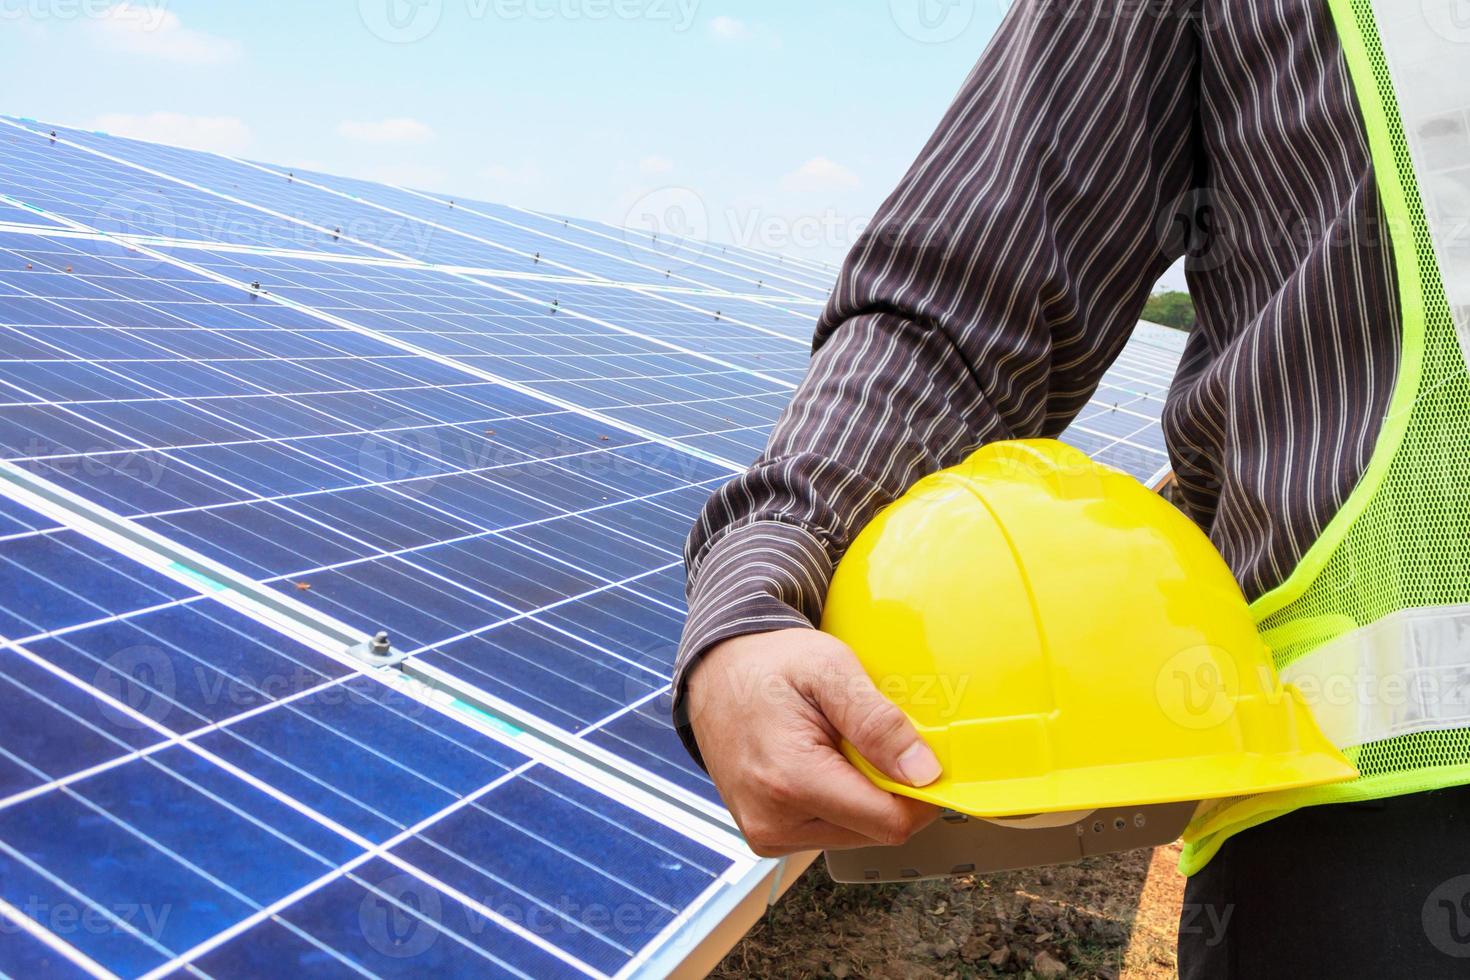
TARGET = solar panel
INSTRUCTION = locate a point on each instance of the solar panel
(340, 576)
(359, 215)
(787, 275)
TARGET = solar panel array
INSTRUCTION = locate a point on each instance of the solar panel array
(253, 418)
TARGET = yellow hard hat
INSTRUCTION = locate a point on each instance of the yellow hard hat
(1065, 640)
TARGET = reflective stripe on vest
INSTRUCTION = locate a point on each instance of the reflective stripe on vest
(1373, 626)
(1427, 48)
(1407, 673)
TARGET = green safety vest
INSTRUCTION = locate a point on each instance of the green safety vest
(1373, 625)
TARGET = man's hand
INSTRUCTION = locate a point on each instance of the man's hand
(769, 710)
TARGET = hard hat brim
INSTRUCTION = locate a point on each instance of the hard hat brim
(1134, 784)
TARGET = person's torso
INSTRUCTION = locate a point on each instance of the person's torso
(1277, 405)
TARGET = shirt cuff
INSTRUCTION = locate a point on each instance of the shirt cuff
(758, 577)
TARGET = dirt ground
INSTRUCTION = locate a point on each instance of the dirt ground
(1113, 917)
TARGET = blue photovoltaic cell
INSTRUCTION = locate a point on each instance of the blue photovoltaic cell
(215, 852)
(14, 213)
(555, 675)
(214, 849)
(170, 831)
(280, 192)
(110, 197)
(677, 323)
(214, 875)
(562, 250)
(795, 324)
(691, 258)
(62, 580)
(705, 269)
(408, 225)
(51, 728)
(16, 520)
(371, 771)
(154, 661)
(22, 954)
(418, 515)
(503, 839)
(497, 470)
(1120, 425)
(644, 736)
(675, 374)
(187, 666)
(382, 921)
(202, 868)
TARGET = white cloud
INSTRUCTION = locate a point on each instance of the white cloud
(398, 129)
(820, 174)
(655, 164)
(221, 134)
(149, 30)
(730, 29)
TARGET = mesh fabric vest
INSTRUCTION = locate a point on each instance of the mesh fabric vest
(1373, 626)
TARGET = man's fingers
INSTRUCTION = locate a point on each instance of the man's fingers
(845, 797)
(775, 756)
(812, 835)
(874, 725)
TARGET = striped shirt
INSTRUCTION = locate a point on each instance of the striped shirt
(1096, 142)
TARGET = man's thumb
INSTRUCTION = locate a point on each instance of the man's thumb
(876, 727)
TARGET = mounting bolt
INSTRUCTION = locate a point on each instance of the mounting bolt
(380, 647)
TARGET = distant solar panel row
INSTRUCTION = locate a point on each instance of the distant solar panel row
(180, 194)
(494, 459)
(404, 492)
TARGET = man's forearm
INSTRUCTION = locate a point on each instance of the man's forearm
(993, 289)
(759, 577)
(885, 402)
(765, 575)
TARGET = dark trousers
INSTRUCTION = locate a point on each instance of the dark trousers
(1379, 889)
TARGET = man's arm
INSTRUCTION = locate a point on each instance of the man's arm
(993, 289)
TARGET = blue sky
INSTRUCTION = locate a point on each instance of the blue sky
(780, 125)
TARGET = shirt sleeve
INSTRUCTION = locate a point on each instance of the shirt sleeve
(985, 301)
